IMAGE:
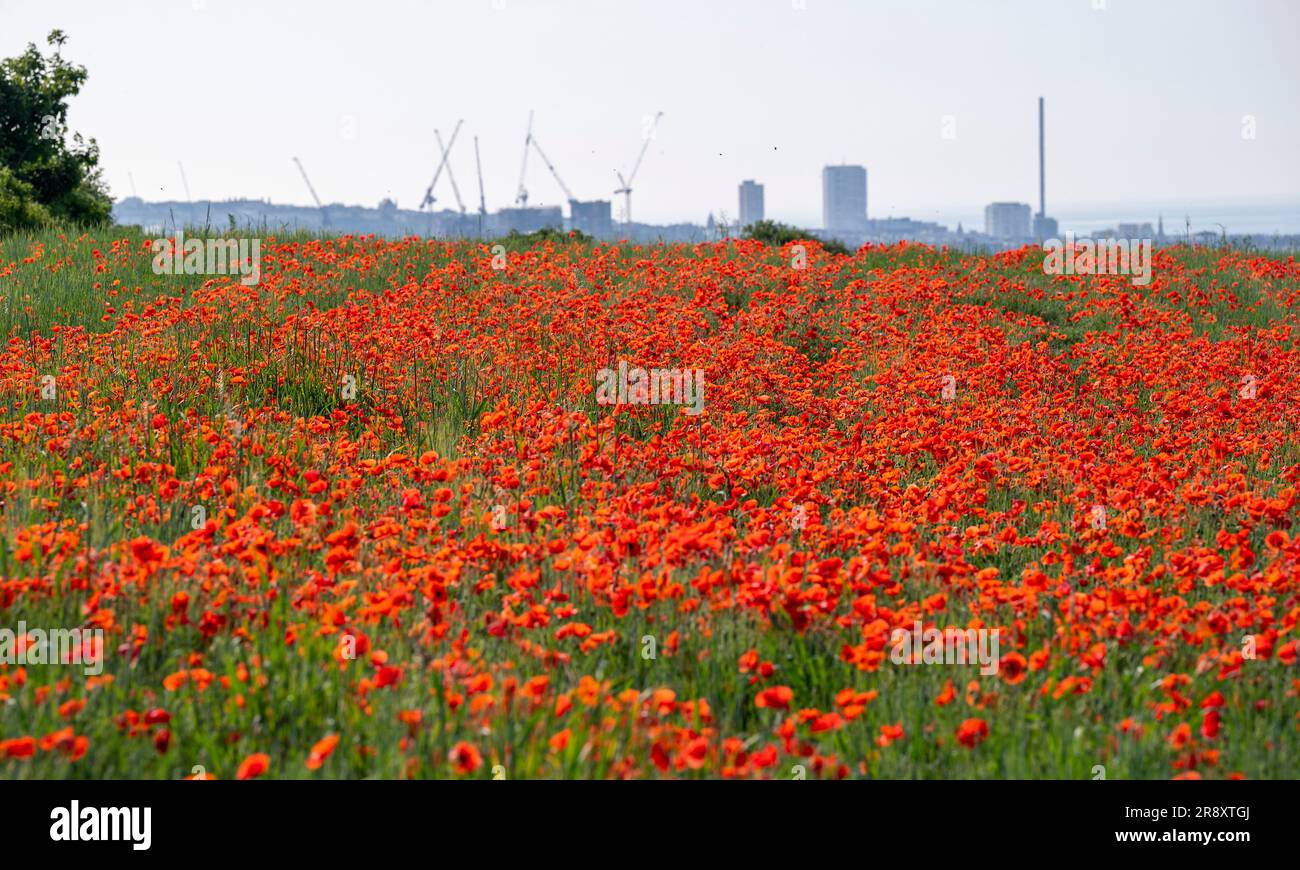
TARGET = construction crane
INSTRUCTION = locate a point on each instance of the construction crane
(324, 212)
(521, 197)
(185, 183)
(478, 165)
(189, 200)
(568, 194)
(625, 184)
(446, 154)
(429, 198)
(482, 200)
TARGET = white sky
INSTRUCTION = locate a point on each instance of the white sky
(1145, 98)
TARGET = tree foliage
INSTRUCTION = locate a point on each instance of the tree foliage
(44, 175)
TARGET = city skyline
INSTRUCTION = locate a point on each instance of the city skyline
(941, 135)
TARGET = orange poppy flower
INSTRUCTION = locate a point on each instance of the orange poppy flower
(254, 766)
(321, 750)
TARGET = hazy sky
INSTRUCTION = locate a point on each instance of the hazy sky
(1145, 98)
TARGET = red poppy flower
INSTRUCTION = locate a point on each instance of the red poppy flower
(465, 758)
(775, 697)
(972, 732)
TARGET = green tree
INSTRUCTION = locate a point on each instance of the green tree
(43, 176)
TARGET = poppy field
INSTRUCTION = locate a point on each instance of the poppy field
(367, 517)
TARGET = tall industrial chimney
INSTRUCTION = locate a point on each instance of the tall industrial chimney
(1042, 168)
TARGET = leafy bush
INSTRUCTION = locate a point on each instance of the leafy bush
(778, 234)
(516, 240)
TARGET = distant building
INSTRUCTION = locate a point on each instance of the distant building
(592, 217)
(1006, 220)
(1045, 227)
(889, 231)
(1135, 231)
(844, 198)
(529, 220)
(751, 203)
